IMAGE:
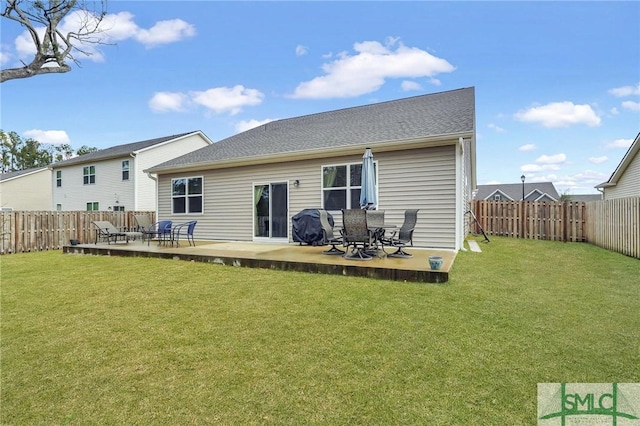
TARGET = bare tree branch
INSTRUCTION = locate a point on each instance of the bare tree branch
(54, 47)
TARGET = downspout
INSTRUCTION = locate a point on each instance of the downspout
(155, 179)
(459, 234)
(135, 185)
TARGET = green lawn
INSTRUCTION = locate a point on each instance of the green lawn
(110, 340)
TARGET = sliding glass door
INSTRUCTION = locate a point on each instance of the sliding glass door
(270, 213)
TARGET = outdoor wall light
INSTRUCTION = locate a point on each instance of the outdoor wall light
(296, 183)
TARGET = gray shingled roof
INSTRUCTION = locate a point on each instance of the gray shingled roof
(118, 150)
(443, 113)
(10, 175)
(514, 190)
(585, 197)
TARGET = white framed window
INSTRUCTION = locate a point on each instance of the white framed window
(341, 184)
(118, 208)
(89, 175)
(187, 195)
(93, 206)
(125, 170)
(58, 178)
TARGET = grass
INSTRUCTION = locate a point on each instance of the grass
(109, 340)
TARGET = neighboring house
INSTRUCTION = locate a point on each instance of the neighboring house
(535, 191)
(585, 198)
(248, 186)
(26, 189)
(114, 178)
(625, 180)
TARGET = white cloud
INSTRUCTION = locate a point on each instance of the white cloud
(219, 100)
(167, 101)
(366, 70)
(244, 125)
(614, 111)
(4, 56)
(631, 105)
(560, 114)
(435, 81)
(625, 91)
(527, 147)
(531, 168)
(55, 137)
(164, 32)
(598, 160)
(410, 85)
(227, 99)
(301, 50)
(545, 163)
(496, 128)
(552, 159)
(581, 182)
(620, 143)
(112, 29)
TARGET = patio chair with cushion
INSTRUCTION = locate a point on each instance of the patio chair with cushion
(185, 229)
(329, 236)
(404, 236)
(144, 225)
(356, 234)
(106, 231)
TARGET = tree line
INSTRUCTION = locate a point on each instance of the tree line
(21, 154)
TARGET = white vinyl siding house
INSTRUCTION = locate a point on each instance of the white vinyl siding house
(94, 182)
(114, 178)
(625, 180)
(145, 190)
(424, 154)
(26, 189)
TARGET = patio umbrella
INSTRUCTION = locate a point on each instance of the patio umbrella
(368, 199)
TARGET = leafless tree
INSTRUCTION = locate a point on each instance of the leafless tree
(53, 47)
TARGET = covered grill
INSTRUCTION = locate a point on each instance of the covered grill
(307, 227)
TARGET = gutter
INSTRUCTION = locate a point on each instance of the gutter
(382, 146)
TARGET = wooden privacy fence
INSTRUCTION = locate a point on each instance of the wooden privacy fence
(615, 225)
(611, 224)
(25, 231)
(538, 220)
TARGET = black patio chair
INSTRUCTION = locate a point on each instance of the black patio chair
(404, 236)
(107, 231)
(329, 235)
(356, 234)
(375, 223)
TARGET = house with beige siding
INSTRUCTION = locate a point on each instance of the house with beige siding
(534, 191)
(625, 180)
(114, 178)
(26, 189)
(248, 187)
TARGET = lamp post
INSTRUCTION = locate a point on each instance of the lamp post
(522, 179)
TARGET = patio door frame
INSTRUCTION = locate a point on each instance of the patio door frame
(277, 220)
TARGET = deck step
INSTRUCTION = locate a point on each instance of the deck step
(473, 246)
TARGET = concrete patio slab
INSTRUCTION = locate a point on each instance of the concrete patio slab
(291, 257)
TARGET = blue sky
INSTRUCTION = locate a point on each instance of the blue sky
(557, 83)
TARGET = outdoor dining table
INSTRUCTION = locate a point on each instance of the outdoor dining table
(378, 232)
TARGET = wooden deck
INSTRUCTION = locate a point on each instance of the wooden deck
(288, 257)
